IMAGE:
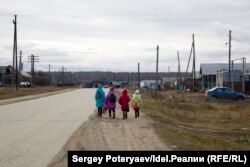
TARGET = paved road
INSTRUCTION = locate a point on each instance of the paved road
(33, 132)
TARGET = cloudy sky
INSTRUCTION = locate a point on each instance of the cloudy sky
(114, 35)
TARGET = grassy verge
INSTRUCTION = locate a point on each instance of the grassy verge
(8, 92)
(188, 122)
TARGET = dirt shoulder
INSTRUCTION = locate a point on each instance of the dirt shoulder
(112, 134)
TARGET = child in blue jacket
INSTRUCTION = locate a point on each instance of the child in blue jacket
(100, 99)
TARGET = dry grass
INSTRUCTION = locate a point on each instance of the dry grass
(189, 122)
(9, 92)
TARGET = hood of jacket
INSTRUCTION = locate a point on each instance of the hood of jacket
(99, 89)
(124, 92)
(111, 92)
(136, 96)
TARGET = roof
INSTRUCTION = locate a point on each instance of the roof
(149, 81)
(212, 68)
(171, 79)
(25, 74)
(3, 69)
(116, 83)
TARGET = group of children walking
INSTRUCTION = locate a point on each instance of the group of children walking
(108, 102)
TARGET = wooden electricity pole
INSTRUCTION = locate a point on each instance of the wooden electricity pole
(15, 65)
(229, 62)
(157, 62)
(169, 74)
(20, 67)
(49, 75)
(63, 75)
(194, 73)
(179, 71)
(138, 76)
(33, 59)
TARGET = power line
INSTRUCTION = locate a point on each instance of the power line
(242, 43)
(111, 51)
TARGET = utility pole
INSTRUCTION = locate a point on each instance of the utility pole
(138, 76)
(132, 79)
(128, 78)
(229, 62)
(20, 66)
(157, 62)
(169, 75)
(233, 77)
(179, 71)
(243, 72)
(33, 59)
(185, 77)
(15, 54)
(71, 77)
(243, 76)
(62, 75)
(194, 74)
(49, 75)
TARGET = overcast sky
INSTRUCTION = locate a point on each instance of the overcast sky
(114, 35)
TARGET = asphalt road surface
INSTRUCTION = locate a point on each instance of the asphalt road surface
(33, 132)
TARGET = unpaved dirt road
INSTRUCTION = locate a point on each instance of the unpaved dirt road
(112, 134)
(33, 132)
